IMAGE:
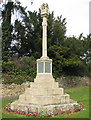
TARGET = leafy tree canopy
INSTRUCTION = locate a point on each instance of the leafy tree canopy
(70, 55)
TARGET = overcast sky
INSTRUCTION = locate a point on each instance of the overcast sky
(76, 13)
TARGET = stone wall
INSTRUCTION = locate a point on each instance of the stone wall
(14, 90)
(73, 81)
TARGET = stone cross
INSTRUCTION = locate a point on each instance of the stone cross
(44, 93)
(44, 64)
(44, 14)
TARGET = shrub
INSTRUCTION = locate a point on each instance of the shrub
(8, 66)
(19, 70)
(19, 79)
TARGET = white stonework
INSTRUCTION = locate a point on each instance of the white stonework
(44, 60)
(44, 93)
(44, 14)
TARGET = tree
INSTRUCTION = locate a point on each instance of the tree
(77, 58)
(28, 35)
(6, 31)
(56, 30)
(70, 54)
(64, 63)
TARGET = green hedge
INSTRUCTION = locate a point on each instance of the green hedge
(19, 70)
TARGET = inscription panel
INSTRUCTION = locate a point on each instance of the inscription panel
(40, 67)
(47, 67)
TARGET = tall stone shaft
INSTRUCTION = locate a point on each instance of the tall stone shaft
(44, 14)
(44, 42)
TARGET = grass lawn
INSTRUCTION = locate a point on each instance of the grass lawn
(80, 94)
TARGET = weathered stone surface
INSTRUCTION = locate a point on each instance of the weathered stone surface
(44, 91)
(41, 108)
(43, 94)
(16, 90)
(13, 90)
(73, 81)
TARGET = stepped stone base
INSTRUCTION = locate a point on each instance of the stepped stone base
(44, 95)
(44, 109)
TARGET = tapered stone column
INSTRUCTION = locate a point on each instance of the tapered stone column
(44, 14)
(44, 42)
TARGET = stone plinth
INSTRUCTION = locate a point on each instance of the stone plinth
(44, 109)
(44, 66)
(44, 94)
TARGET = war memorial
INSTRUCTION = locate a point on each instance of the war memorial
(44, 93)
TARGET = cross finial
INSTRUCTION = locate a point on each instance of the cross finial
(44, 10)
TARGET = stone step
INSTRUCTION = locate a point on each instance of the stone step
(44, 85)
(44, 78)
(44, 100)
(44, 91)
(46, 109)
